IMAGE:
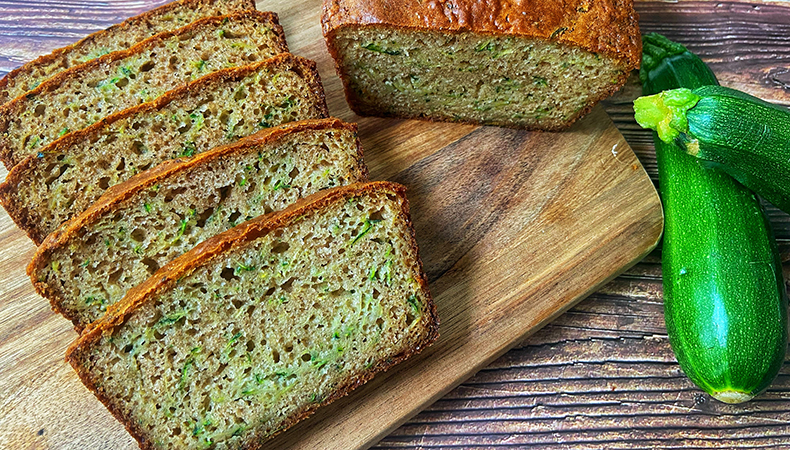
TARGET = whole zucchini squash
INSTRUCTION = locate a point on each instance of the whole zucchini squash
(724, 298)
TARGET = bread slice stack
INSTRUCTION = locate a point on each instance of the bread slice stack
(255, 328)
(85, 94)
(117, 37)
(207, 227)
(148, 221)
(63, 179)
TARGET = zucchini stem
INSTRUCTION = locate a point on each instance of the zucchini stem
(665, 112)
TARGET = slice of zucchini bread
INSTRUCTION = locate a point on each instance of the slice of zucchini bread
(533, 65)
(117, 37)
(85, 94)
(255, 328)
(144, 223)
(64, 178)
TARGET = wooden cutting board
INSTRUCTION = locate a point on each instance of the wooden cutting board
(513, 227)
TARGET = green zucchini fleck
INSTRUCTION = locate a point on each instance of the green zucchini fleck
(373, 47)
(281, 185)
(412, 300)
(365, 229)
(242, 268)
(187, 149)
(170, 320)
(489, 46)
(34, 142)
(185, 372)
(199, 65)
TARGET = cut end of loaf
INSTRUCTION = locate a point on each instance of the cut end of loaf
(241, 344)
(508, 81)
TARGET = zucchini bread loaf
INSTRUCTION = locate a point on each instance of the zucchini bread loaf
(85, 94)
(533, 65)
(117, 37)
(148, 221)
(255, 328)
(64, 178)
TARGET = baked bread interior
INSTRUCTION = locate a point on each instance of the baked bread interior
(85, 94)
(255, 328)
(148, 221)
(64, 178)
(118, 37)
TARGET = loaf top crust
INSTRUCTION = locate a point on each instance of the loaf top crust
(607, 26)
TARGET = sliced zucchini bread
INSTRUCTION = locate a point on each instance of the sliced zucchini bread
(118, 37)
(148, 221)
(534, 65)
(64, 178)
(85, 94)
(255, 328)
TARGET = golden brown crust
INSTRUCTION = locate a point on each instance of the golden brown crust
(609, 27)
(29, 222)
(234, 238)
(13, 108)
(118, 194)
(61, 54)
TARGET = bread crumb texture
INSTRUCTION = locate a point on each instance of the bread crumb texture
(469, 77)
(86, 94)
(185, 207)
(54, 186)
(118, 37)
(261, 334)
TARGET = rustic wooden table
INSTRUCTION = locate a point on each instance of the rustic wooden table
(602, 375)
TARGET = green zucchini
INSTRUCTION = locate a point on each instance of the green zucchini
(724, 299)
(735, 132)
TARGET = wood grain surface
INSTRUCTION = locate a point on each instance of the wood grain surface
(601, 375)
